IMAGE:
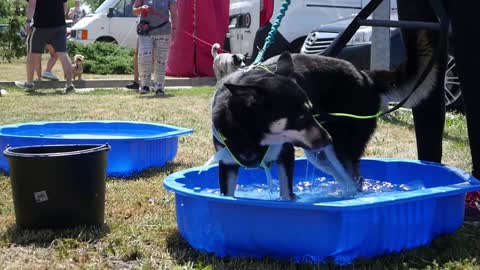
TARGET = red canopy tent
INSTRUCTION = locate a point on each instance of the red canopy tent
(200, 24)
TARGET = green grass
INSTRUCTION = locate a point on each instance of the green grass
(140, 230)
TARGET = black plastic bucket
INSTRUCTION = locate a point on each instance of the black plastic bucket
(57, 186)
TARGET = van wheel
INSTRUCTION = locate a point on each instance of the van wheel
(106, 39)
(453, 93)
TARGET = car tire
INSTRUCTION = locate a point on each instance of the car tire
(106, 39)
(453, 92)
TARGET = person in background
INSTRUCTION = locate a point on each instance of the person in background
(77, 12)
(429, 117)
(46, 24)
(161, 15)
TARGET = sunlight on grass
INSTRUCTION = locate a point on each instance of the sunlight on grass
(140, 230)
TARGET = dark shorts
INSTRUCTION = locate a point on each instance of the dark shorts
(39, 38)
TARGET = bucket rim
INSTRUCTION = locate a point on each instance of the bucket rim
(92, 148)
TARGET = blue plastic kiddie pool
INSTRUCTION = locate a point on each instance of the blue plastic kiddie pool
(418, 202)
(135, 146)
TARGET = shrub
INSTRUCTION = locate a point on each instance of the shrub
(103, 57)
(12, 45)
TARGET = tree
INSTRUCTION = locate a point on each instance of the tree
(12, 45)
(93, 4)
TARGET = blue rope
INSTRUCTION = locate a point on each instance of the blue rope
(271, 35)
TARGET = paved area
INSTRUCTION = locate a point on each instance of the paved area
(169, 82)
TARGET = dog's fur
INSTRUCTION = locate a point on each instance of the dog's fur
(255, 109)
(77, 66)
(226, 63)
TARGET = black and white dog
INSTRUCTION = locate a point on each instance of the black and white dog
(226, 63)
(261, 115)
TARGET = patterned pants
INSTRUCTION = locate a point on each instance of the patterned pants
(156, 47)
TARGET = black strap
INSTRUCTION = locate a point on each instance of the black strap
(158, 26)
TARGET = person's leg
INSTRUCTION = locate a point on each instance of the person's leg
(135, 65)
(429, 116)
(66, 66)
(38, 70)
(53, 58)
(145, 63)
(35, 46)
(162, 43)
(48, 74)
(134, 84)
(59, 43)
(33, 62)
(467, 60)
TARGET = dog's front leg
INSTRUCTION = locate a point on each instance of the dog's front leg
(286, 164)
(228, 178)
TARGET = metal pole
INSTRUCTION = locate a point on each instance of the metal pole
(380, 50)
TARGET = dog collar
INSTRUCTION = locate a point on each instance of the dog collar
(219, 136)
(217, 157)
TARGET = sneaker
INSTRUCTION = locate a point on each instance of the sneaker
(29, 87)
(49, 76)
(472, 207)
(133, 85)
(144, 90)
(159, 92)
(70, 88)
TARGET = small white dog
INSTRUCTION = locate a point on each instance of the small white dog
(226, 63)
(77, 66)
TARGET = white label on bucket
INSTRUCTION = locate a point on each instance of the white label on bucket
(40, 196)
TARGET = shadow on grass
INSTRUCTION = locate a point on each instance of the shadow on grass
(402, 123)
(47, 93)
(460, 249)
(44, 237)
(168, 168)
(154, 96)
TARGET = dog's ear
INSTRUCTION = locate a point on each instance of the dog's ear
(248, 93)
(284, 64)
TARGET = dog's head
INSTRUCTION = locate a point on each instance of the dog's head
(259, 108)
(239, 60)
(79, 59)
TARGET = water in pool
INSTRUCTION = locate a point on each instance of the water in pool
(315, 189)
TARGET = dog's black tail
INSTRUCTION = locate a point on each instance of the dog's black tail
(396, 85)
(214, 50)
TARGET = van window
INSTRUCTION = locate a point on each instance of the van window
(103, 8)
(123, 8)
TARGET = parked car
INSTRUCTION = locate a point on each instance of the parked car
(357, 51)
(250, 22)
(112, 21)
(68, 24)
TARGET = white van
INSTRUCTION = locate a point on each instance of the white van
(113, 21)
(251, 20)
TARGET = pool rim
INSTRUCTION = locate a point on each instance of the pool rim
(176, 131)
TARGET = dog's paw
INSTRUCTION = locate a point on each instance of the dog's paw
(289, 197)
(359, 181)
(346, 189)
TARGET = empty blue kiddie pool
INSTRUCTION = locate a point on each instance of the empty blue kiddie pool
(404, 204)
(135, 146)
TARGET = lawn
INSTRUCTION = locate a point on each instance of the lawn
(17, 71)
(140, 230)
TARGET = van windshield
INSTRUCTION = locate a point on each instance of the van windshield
(103, 8)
